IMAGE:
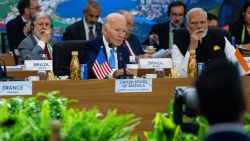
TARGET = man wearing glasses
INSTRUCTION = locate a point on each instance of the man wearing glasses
(19, 27)
(38, 45)
(161, 35)
(207, 44)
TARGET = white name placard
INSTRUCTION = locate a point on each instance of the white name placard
(133, 85)
(38, 65)
(16, 88)
(154, 63)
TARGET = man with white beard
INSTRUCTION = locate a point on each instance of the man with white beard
(207, 44)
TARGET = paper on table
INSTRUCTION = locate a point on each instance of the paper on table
(161, 53)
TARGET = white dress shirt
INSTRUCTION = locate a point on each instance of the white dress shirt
(86, 27)
(107, 48)
(180, 62)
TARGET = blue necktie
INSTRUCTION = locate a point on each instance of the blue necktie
(112, 58)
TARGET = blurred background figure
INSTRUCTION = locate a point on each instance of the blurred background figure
(19, 27)
(221, 101)
(131, 41)
(212, 20)
(241, 28)
(88, 28)
(38, 45)
(161, 34)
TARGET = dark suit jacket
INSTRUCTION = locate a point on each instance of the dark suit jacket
(227, 136)
(162, 30)
(76, 31)
(236, 30)
(15, 32)
(135, 44)
(94, 47)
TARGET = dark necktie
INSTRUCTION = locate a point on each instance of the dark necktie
(91, 34)
(46, 51)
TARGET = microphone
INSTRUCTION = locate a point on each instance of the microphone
(125, 75)
(3, 72)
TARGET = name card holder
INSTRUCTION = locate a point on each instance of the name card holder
(38, 65)
(154, 63)
(15, 88)
(133, 85)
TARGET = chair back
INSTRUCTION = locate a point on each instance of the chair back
(62, 55)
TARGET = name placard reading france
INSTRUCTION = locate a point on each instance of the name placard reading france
(133, 85)
(154, 63)
(16, 88)
(38, 65)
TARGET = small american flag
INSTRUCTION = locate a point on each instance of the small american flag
(101, 67)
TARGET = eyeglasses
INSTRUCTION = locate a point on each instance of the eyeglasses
(43, 24)
(195, 23)
(36, 8)
(177, 14)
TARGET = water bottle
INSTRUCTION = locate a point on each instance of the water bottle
(84, 72)
(201, 67)
(234, 41)
(74, 66)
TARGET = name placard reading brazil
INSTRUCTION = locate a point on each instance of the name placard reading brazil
(16, 88)
(133, 85)
(38, 64)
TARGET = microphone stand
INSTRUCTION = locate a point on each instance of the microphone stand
(125, 75)
(4, 76)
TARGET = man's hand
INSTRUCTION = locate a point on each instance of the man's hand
(26, 29)
(143, 56)
(45, 35)
(154, 39)
(120, 72)
(195, 38)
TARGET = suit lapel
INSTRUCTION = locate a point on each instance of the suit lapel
(82, 32)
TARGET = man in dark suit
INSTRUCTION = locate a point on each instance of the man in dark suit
(131, 41)
(161, 35)
(88, 28)
(114, 29)
(221, 101)
(19, 27)
(38, 45)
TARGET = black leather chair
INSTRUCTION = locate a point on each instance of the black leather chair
(62, 55)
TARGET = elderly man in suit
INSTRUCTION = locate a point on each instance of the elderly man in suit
(131, 41)
(38, 45)
(114, 30)
(221, 101)
(19, 27)
(88, 28)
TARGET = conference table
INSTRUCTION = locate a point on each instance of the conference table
(101, 94)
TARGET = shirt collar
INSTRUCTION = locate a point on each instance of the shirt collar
(24, 20)
(106, 44)
(235, 127)
(171, 27)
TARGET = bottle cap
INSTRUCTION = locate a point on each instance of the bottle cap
(74, 52)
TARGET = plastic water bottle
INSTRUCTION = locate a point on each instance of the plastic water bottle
(234, 41)
(84, 72)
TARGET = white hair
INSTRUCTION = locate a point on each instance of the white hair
(195, 10)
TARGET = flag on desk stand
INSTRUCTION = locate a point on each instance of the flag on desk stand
(101, 67)
(241, 60)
